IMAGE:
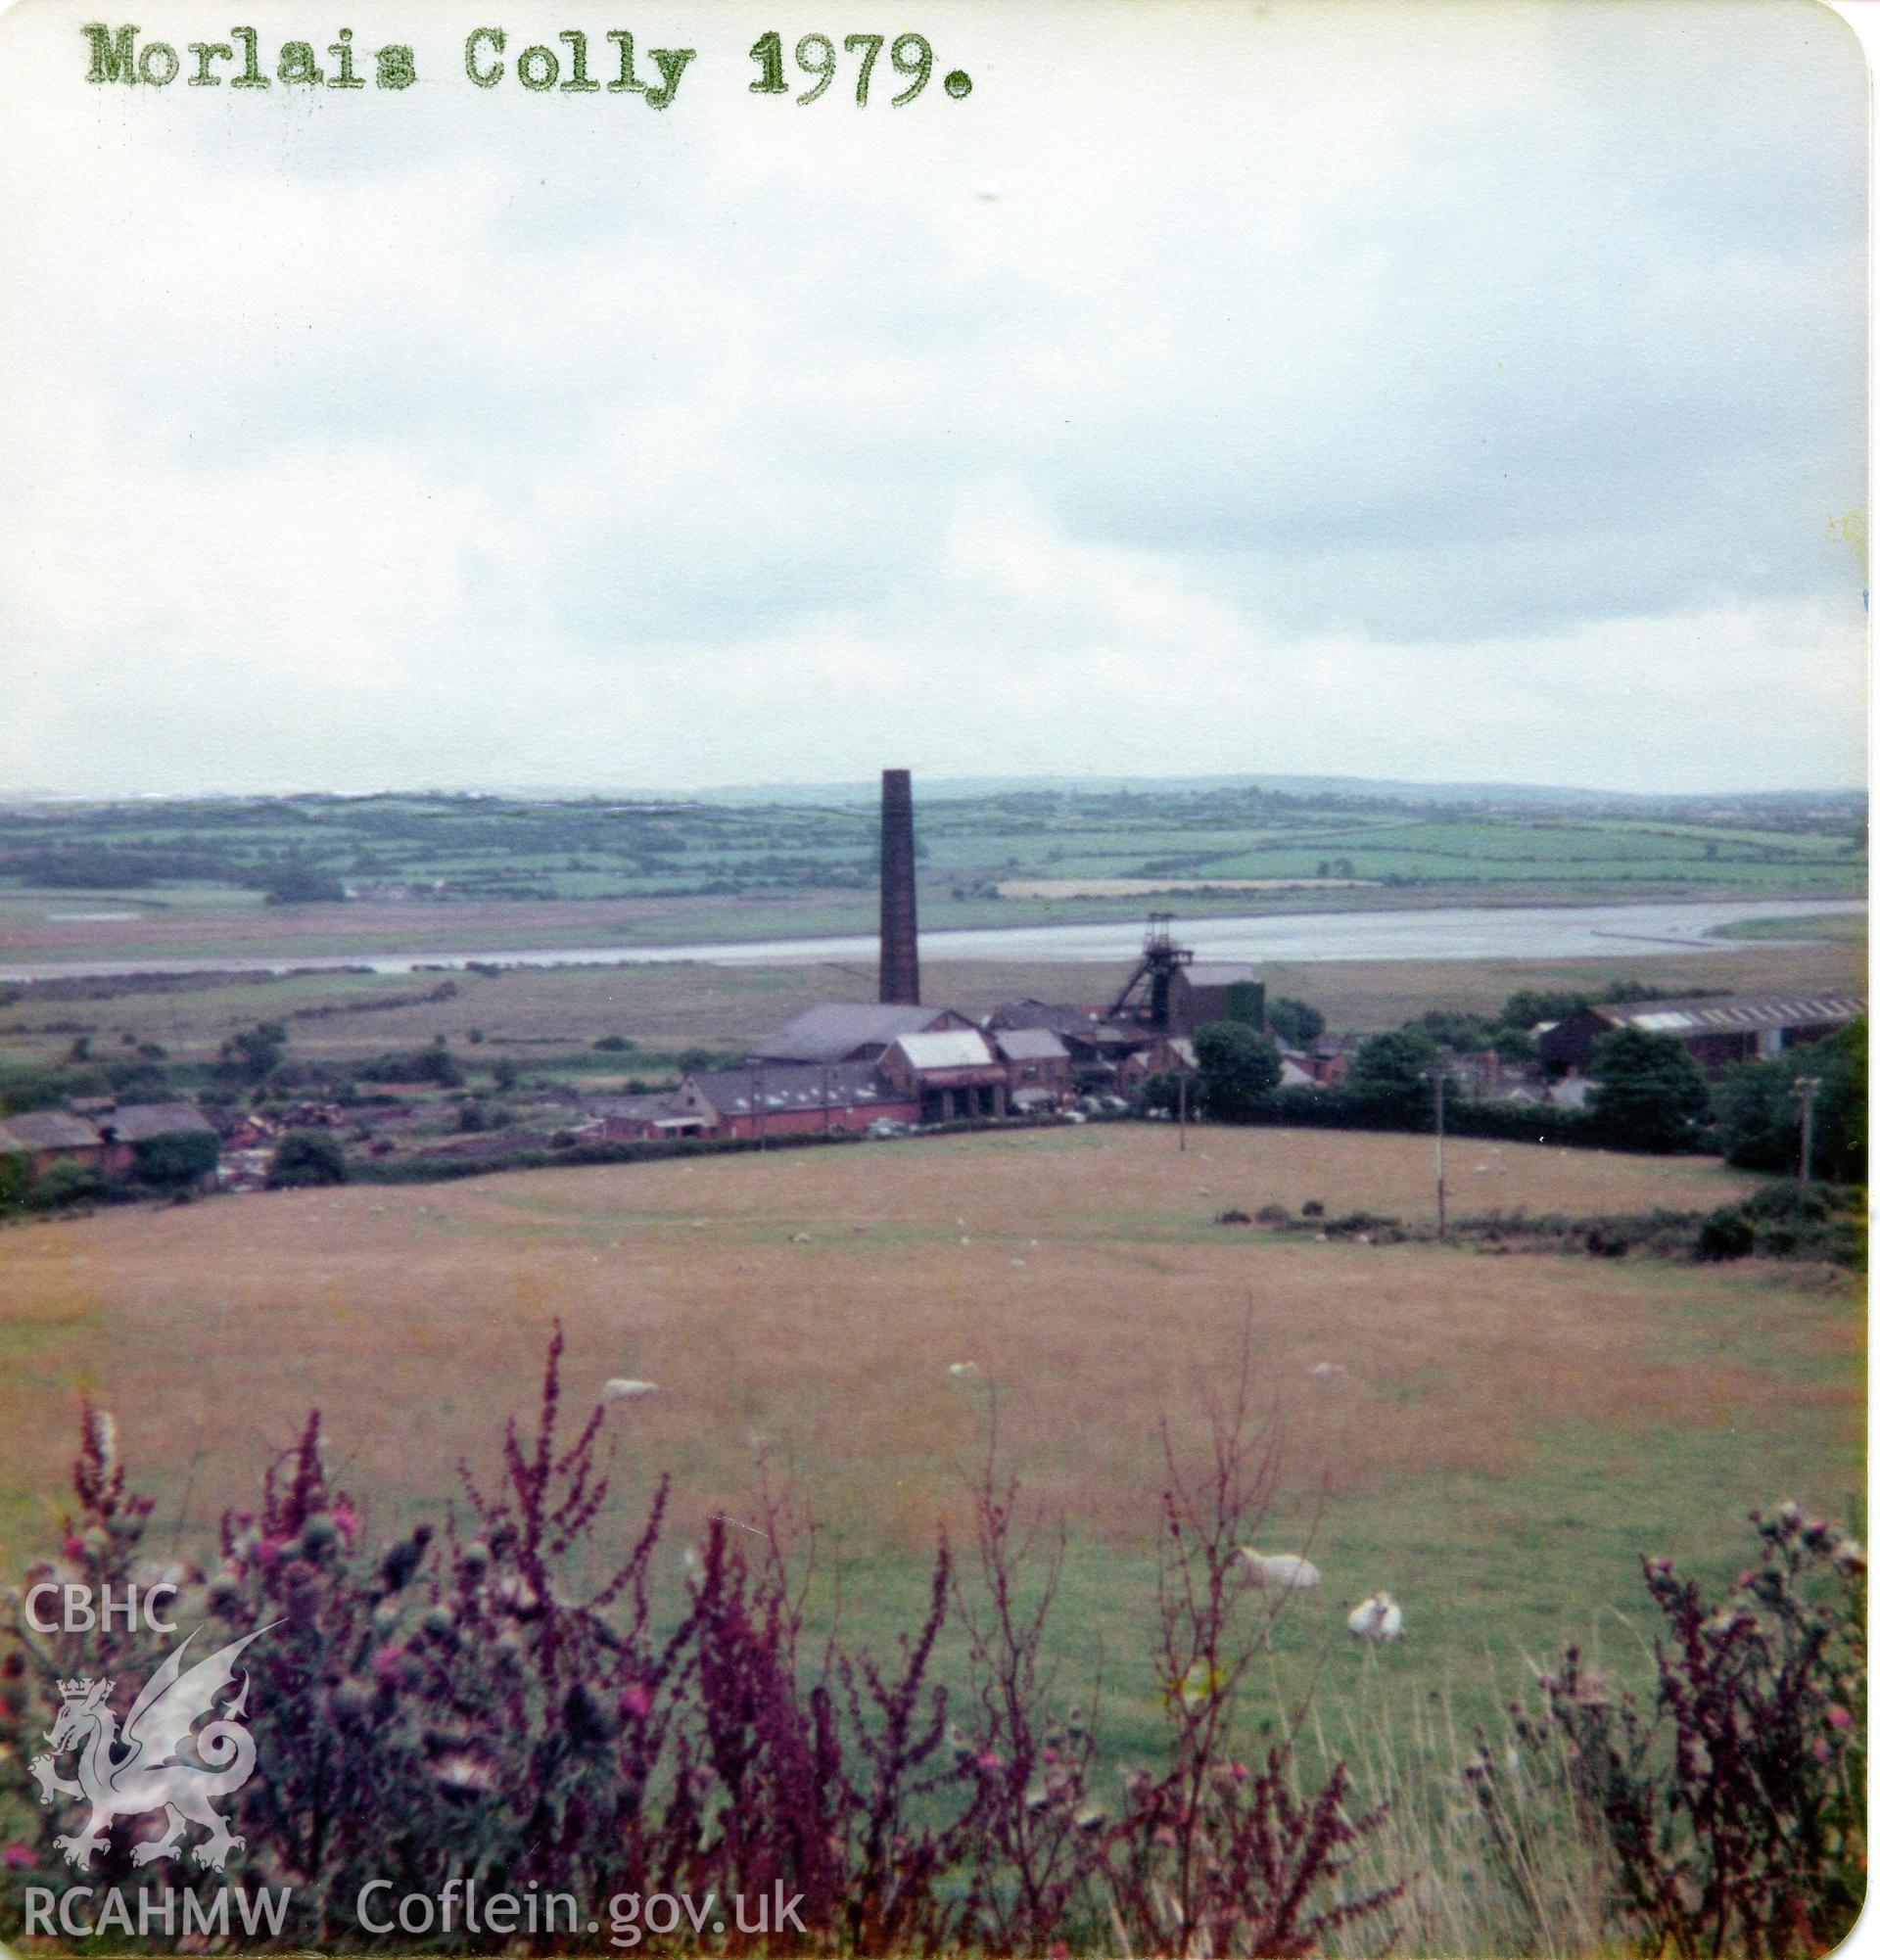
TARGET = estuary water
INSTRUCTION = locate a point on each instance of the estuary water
(1452, 932)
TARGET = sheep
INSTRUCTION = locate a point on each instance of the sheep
(623, 1389)
(1379, 1617)
(1285, 1569)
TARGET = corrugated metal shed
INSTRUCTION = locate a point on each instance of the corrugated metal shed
(1732, 1013)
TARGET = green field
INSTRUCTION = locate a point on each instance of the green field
(722, 870)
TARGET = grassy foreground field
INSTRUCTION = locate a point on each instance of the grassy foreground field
(1511, 1432)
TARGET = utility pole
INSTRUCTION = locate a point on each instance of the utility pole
(1180, 1108)
(1442, 1202)
(1804, 1088)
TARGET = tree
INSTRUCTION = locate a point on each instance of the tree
(1760, 1111)
(307, 1157)
(1841, 1103)
(1238, 1066)
(300, 884)
(1392, 1072)
(1650, 1093)
(1453, 1028)
(1294, 1023)
(505, 1073)
(177, 1158)
(1160, 1093)
(251, 1055)
(1529, 1006)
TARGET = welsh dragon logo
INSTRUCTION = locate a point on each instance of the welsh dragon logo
(157, 1762)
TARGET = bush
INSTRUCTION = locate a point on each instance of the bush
(434, 1065)
(64, 1182)
(183, 1157)
(1734, 1807)
(616, 1044)
(495, 1696)
(15, 1178)
(307, 1157)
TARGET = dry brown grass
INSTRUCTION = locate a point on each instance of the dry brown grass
(1080, 1271)
(673, 1005)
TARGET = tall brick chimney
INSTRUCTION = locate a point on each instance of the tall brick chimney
(900, 951)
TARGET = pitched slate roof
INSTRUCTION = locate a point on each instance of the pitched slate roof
(1030, 1044)
(1059, 1016)
(51, 1130)
(844, 1085)
(834, 1030)
(140, 1120)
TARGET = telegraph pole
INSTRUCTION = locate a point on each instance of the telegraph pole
(1180, 1108)
(1804, 1088)
(1442, 1199)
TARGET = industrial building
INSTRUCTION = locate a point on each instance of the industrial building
(763, 1099)
(1715, 1030)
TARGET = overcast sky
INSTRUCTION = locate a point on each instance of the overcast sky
(1413, 390)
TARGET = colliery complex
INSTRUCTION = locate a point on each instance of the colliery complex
(903, 1062)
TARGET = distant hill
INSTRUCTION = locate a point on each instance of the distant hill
(1486, 795)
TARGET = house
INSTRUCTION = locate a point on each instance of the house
(1327, 1061)
(1489, 1079)
(949, 1073)
(658, 1117)
(844, 1030)
(1173, 1055)
(1035, 1059)
(132, 1124)
(1715, 1030)
(47, 1135)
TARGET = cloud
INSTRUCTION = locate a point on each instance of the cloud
(1415, 392)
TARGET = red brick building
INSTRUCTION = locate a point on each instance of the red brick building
(1037, 1064)
(949, 1074)
(762, 1098)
